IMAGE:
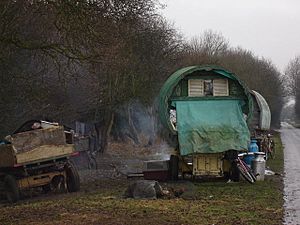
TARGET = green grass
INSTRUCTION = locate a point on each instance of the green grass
(201, 203)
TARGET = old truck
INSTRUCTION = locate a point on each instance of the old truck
(211, 113)
(37, 156)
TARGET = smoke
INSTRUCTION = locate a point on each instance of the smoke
(137, 136)
(163, 151)
(140, 125)
(137, 123)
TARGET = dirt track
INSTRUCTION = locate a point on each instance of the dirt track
(291, 140)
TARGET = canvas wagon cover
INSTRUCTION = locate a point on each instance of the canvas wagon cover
(168, 88)
(265, 113)
(212, 126)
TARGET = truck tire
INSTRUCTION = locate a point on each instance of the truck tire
(11, 189)
(234, 173)
(46, 188)
(174, 167)
(73, 181)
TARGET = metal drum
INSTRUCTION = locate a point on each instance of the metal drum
(259, 165)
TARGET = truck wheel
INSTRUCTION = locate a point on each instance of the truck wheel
(73, 181)
(235, 173)
(46, 188)
(174, 161)
(11, 189)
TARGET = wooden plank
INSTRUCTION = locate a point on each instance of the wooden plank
(134, 175)
(196, 87)
(43, 153)
(220, 87)
(29, 140)
(7, 156)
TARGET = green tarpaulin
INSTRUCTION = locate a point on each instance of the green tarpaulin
(211, 126)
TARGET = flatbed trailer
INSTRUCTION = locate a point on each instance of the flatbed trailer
(37, 158)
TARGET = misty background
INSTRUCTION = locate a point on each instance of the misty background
(269, 28)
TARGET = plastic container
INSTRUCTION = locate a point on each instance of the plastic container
(253, 147)
(259, 165)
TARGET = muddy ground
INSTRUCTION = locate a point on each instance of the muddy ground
(101, 201)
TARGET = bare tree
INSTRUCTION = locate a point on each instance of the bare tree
(256, 72)
(292, 79)
(206, 48)
(259, 74)
(210, 43)
(292, 76)
(80, 60)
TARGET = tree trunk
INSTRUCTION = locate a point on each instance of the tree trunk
(103, 129)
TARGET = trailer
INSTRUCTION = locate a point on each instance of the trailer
(37, 155)
(260, 125)
(209, 111)
(261, 118)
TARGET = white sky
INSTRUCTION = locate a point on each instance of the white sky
(269, 28)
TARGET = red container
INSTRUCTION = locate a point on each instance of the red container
(156, 170)
(156, 175)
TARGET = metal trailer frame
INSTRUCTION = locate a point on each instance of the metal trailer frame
(48, 174)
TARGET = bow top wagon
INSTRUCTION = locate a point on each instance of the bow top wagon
(212, 115)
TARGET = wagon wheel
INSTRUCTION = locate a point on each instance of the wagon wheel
(234, 172)
(11, 189)
(174, 168)
(246, 172)
(73, 181)
(46, 188)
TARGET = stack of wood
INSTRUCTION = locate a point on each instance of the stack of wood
(26, 141)
(35, 145)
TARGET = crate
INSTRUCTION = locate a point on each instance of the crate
(207, 164)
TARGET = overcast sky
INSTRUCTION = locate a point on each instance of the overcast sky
(269, 28)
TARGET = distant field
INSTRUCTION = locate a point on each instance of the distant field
(101, 202)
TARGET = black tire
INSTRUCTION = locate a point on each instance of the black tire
(73, 181)
(234, 172)
(92, 163)
(11, 189)
(246, 173)
(46, 188)
(174, 167)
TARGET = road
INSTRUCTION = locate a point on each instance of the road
(291, 140)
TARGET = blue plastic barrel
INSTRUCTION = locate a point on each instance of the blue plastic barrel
(253, 147)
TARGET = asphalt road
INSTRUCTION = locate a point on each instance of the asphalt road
(291, 140)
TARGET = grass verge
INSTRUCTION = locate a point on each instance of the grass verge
(202, 203)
